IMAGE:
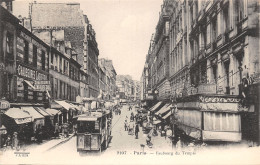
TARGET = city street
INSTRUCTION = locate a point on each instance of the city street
(121, 143)
(122, 146)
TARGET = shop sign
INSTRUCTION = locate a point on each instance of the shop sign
(42, 86)
(4, 105)
(30, 73)
(23, 120)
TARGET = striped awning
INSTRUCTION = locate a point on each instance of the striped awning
(156, 106)
(167, 115)
(164, 109)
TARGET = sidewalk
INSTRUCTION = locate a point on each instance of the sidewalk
(46, 145)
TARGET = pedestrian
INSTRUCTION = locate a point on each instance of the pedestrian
(179, 143)
(65, 130)
(38, 135)
(15, 141)
(8, 142)
(136, 131)
(56, 130)
(131, 128)
(148, 140)
(126, 125)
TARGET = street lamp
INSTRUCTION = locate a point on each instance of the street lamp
(155, 98)
(173, 118)
(156, 93)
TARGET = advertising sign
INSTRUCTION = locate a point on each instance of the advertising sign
(40, 83)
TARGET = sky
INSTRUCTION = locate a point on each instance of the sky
(123, 29)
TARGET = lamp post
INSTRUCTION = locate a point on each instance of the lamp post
(173, 117)
(155, 99)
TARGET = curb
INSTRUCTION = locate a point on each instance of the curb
(64, 141)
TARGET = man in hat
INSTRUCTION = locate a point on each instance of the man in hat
(136, 130)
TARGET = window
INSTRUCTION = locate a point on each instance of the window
(226, 18)
(239, 7)
(26, 52)
(61, 89)
(65, 66)
(43, 60)
(9, 46)
(52, 58)
(34, 56)
(203, 73)
(25, 91)
(60, 64)
(214, 29)
(226, 66)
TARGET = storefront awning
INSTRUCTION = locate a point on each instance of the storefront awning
(75, 107)
(19, 115)
(166, 115)
(64, 104)
(157, 122)
(164, 109)
(33, 113)
(30, 84)
(42, 111)
(156, 106)
(53, 112)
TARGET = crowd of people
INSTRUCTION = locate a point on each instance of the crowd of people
(19, 139)
(174, 139)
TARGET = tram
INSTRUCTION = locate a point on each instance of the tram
(94, 130)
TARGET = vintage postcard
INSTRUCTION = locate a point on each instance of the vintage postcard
(129, 82)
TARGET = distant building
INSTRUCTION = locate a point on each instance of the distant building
(129, 87)
(107, 79)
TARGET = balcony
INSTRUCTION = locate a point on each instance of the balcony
(207, 88)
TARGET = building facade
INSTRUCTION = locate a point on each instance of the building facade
(65, 72)
(158, 60)
(24, 63)
(213, 60)
(72, 27)
(107, 79)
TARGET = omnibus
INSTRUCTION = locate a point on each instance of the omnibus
(94, 130)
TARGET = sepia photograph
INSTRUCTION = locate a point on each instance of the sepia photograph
(129, 82)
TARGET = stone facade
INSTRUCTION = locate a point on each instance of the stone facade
(213, 58)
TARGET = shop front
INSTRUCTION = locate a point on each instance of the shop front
(37, 118)
(19, 121)
(32, 85)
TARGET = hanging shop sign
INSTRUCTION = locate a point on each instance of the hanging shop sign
(4, 105)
